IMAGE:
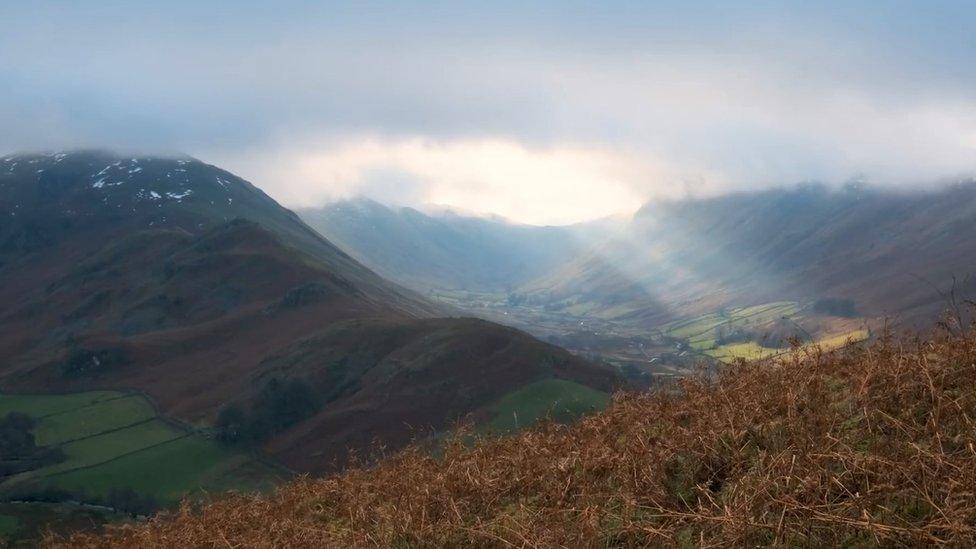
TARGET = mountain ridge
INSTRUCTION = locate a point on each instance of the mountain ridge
(453, 251)
(181, 280)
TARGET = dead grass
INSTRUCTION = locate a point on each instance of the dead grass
(873, 446)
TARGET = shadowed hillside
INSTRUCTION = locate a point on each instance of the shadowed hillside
(865, 448)
(493, 268)
(181, 280)
(448, 251)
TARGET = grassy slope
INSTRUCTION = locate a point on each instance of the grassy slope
(9, 524)
(558, 399)
(865, 448)
(114, 440)
(754, 351)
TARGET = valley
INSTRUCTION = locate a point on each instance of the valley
(656, 296)
(170, 331)
(223, 342)
(649, 353)
(487, 275)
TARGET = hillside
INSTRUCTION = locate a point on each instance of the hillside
(180, 280)
(682, 280)
(446, 251)
(872, 447)
(888, 252)
(491, 268)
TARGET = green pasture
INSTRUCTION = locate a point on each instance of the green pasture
(558, 399)
(114, 440)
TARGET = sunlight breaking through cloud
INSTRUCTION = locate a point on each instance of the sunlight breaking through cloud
(550, 185)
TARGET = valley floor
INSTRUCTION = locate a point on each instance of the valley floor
(653, 350)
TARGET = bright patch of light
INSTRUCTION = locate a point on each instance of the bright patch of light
(553, 185)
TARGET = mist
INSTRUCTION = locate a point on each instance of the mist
(550, 113)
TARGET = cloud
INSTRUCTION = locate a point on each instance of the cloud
(389, 100)
(544, 185)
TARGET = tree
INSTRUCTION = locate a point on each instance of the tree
(231, 425)
(279, 405)
(18, 450)
(16, 438)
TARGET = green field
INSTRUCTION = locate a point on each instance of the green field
(9, 525)
(94, 450)
(835, 342)
(700, 331)
(558, 399)
(115, 441)
(166, 471)
(701, 334)
(748, 351)
(92, 419)
(753, 351)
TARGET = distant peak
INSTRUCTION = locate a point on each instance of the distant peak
(356, 203)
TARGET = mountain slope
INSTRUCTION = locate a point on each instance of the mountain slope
(867, 448)
(668, 287)
(893, 253)
(447, 251)
(48, 196)
(183, 281)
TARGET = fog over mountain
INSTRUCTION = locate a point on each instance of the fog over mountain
(549, 113)
(860, 251)
(447, 250)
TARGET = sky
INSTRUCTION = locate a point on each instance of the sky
(542, 112)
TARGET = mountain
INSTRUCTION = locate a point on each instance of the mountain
(447, 251)
(733, 276)
(497, 270)
(178, 279)
(881, 252)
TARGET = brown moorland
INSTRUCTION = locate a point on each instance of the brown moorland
(872, 446)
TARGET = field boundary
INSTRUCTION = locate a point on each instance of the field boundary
(115, 458)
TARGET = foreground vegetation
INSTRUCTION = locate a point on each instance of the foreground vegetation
(871, 446)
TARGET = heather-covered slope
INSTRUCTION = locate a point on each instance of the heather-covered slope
(396, 381)
(872, 447)
(185, 282)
